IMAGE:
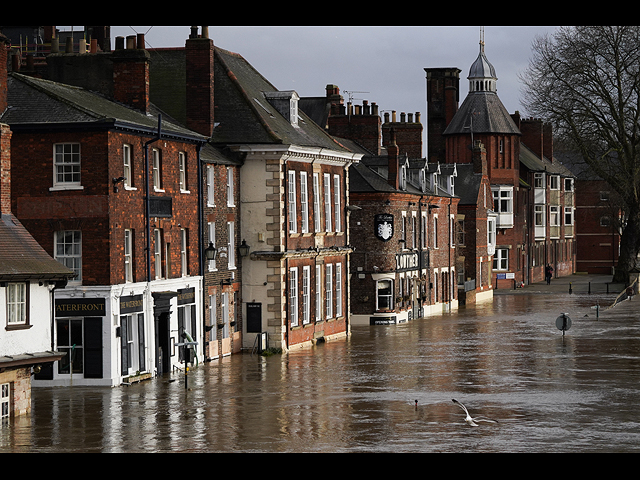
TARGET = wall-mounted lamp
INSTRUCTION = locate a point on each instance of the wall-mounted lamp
(244, 249)
(211, 252)
(116, 181)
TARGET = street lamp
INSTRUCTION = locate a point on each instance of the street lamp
(211, 252)
(243, 249)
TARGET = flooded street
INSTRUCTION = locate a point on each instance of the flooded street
(505, 360)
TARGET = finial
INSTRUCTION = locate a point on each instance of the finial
(482, 39)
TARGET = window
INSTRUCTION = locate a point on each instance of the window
(304, 202)
(293, 224)
(568, 215)
(17, 304)
(293, 296)
(69, 251)
(329, 291)
(327, 203)
(212, 239)
(501, 259)
(184, 249)
(157, 169)
(231, 201)
(231, 246)
(538, 180)
(435, 231)
(568, 184)
(132, 344)
(460, 233)
(318, 292)
(224, 307)
(306, 300)
(338, 289)
(336, 203)
(554, 182)
(211, 202)
(127, 166)
(213, 320)
(70, 336)
(182, 164)
(316, 203)
(384, 298)
(5, 401)
(66, 164)
(554, 215)
(503, 200)
(128, 256)
(539, 215)
(424, 230)
(187, 323)
(157, 252)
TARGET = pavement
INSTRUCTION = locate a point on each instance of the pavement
(618, 303)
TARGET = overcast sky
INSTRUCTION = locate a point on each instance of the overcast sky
(385, 62)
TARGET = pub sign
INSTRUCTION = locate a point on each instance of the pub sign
(383, 226)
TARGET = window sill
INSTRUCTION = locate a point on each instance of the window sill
(16, 327)
(64, 188)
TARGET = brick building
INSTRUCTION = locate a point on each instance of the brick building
(292, 193)
(523, 174)
(100, 157)
(29, 278)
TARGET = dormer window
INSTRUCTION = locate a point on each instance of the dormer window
(286, 103)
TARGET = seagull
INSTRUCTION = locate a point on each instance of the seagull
(472, 421)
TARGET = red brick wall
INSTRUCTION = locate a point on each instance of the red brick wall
(5, 167)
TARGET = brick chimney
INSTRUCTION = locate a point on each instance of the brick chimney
(131, 73)
(362, 124)
(408, 133)
(199, 69)
(537, 135)
(443, 97)
(479, 158)
(393, 175)
(5, 134)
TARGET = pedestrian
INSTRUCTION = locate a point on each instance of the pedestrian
(548, 272)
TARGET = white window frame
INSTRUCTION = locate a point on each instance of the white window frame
(568, 214)
(389, 297)
(328, 277)
(17, 303)
(291, 188)
(184, 249)
(73, 259)
(67, 161)
(554, 182)
(435, 231)
(338, 289)
(231, 252)
(224, 308)
(212, 239)
(304, 203)
(539, 216)
(293, 296)
(211, 176)
(327, 202)
(128, 256)
(127, 166)
(182, 165)
(157, 252)
(501, 260)
(5, 401)
(336, 203)
(317, 209)
(554, 215)
(231, 201)
(306, 291)
(318, 292)
(213, 320)
(157, 170)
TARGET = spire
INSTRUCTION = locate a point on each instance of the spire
(482, 76)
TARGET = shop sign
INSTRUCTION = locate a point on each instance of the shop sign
(383, 225)
(80, 307)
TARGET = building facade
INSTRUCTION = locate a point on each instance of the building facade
(120, 207)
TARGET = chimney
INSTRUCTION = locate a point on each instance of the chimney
(393, 176)
(199, 69)
(5, 134)
(479, 158)
(131, 74)
(443, 96)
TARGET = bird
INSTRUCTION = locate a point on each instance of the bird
(472, 421)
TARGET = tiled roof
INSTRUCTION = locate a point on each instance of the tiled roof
(38, 102)
(485, 113)
(22, 258)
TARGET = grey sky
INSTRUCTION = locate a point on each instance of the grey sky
(387, 62)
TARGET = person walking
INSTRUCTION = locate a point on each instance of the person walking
(548, 273)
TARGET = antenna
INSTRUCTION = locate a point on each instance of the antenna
(351, 95)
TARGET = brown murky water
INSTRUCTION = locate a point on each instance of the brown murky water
(507, 360)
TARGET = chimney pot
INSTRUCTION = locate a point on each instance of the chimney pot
(140, 41)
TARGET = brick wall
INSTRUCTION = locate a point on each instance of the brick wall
(5, 168)
(20, 384)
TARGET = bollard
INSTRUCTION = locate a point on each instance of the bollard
(589, 288)
(570, 289)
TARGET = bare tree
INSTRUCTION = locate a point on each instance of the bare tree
(586, 82)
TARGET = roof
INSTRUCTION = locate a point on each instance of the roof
(482, 112)
(536, 164)
(22, 258)
(244, 114)
(39, 102)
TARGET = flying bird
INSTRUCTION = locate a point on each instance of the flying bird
(472, 421)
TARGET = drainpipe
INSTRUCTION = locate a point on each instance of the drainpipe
(148, 199)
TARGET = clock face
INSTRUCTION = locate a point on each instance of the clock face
(383, 225)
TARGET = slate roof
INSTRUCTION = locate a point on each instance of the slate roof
(537, 164)
(245, 116)
(485, 113)
(37, 102)
(22, 258)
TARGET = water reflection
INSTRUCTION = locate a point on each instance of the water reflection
(505, 360)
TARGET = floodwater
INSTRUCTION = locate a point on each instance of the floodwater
(550, 392)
